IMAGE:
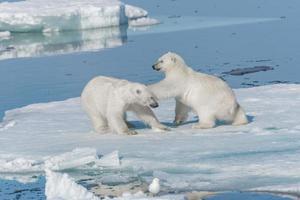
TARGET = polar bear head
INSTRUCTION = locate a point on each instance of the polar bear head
(168, 62)
(140, 94)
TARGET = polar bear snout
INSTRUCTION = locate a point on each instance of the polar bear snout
(155, 67)
(153, 103)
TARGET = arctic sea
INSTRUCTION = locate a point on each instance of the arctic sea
(259, 40)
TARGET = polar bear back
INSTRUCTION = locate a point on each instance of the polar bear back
(99, 90)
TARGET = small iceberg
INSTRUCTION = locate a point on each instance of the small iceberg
(62, 15)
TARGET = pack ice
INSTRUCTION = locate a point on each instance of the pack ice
(59, 15)
(263, 155)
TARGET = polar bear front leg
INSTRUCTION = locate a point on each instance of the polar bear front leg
(181, 112)
(117, 123)
(146, 114)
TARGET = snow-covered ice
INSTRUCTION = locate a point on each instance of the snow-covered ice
(63, 187)
(262, 154)
(59, 15)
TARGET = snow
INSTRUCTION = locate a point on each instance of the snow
(60, 15)
(264, 153)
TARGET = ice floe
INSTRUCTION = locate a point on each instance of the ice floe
(60, 15)
(264, 153)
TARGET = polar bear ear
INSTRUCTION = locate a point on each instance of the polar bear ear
(138, 91)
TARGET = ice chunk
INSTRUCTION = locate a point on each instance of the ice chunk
(19, 165)
(133, 12)
(59, 15)
(61, 186)
(109, 160)
(76, 158)
(145, 21)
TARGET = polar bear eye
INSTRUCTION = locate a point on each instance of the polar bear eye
(138, 91)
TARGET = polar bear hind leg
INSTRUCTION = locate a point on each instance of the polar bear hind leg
(240, 117)
(99, 122)
(206, 120)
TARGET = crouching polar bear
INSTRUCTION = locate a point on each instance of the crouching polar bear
(107, 99)
(208, 96)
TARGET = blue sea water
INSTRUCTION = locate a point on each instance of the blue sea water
(213, 36)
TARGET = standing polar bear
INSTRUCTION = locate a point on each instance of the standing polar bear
(209, 96)
(107, 99)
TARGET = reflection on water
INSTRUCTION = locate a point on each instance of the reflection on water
(20, 45)
(37, 44)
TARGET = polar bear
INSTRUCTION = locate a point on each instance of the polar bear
(107, 99)
(208, 96)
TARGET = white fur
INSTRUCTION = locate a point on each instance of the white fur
(154, 187)
(209, 96)
(107, 99)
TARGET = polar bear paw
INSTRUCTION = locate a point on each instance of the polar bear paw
(161, 128)
(131, 132)
(177, 122)
(203, 125)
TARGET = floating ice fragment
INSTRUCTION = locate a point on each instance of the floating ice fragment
(133, 12)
